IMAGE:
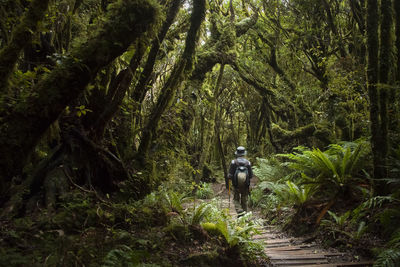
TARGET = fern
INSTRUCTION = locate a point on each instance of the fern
(175, 201)
(204, 191)
(388, 258)
(336, 168)
(269, 169)
(299, 194)
(395, 240)
(199, 213)
(124, 256)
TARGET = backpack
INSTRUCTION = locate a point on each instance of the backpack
(241, 176)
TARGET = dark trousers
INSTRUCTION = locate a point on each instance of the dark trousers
(241, 194)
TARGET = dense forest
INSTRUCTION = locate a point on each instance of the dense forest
(117, 118)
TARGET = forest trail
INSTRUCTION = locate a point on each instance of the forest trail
(283, 250)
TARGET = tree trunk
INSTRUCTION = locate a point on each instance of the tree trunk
(209, 126)
(372, 81)
(397, 33)
(23, 126)
(182, 68)
(140, 90)
(116, 94)
(385, 55)
(333, 27)
(217, 127)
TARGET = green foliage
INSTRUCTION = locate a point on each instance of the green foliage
(337, 224)
(342, 225)
(388, 258)
(299, 195)
(199, 213)
(175, 200)
(234, 232)
(269, 172)
(371, 206)
(339, 220)
(204, 191)
(333, 171)
(124, 256)
(289, 193)
(269, 169)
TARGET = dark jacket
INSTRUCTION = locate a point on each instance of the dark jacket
(239, 162)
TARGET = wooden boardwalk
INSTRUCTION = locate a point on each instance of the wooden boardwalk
(289, 251)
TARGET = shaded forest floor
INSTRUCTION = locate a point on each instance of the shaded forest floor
(86, 229)
(83, 231)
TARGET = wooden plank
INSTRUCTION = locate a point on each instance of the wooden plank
(304, 252)
(318, 265)
(292, 247)
(264, 236)
(285, 248)
(343, 264)
(281, 240)
(274, 245)
(297, 262)
(359, 263)
(295, 257)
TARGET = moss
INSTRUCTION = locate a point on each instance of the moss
(320, 131)
(126, 22)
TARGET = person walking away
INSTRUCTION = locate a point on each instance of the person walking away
(240, 173)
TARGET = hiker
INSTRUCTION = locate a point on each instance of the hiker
(240, 173)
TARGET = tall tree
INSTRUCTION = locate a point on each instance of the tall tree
(372, 26)
(385, 67)
(181, 70)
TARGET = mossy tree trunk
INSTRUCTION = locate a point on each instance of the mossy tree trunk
(208, 132)
(372, 84)
(181, 70)
(217, 127)
(395, 126)
(385, 63)
(115, 95)
(140, 89)
(23, 126)
(397, 34)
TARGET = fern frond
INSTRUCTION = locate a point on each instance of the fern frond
(395, 240)
(199, 213)
(388, 258)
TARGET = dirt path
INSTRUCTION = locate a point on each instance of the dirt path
(289, 251)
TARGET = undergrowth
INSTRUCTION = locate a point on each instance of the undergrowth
(330, 195)
(165, 228)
